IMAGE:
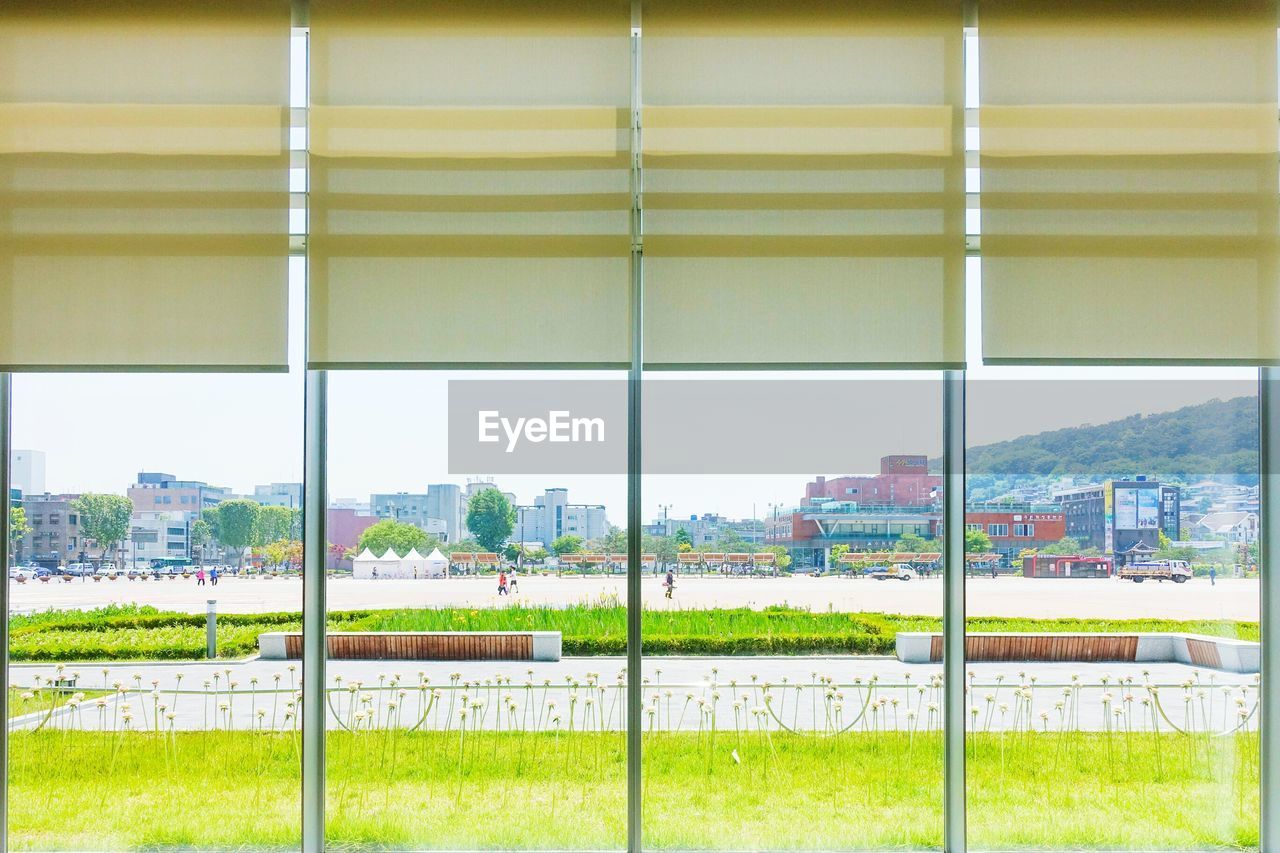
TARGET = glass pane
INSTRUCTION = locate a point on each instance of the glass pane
(1113, 604)
(476, 673)
(794, 524)
(145, 503)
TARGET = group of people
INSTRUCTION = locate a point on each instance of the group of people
(507, 584)
(200, 576)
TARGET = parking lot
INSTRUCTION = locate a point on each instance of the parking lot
(1233, 599)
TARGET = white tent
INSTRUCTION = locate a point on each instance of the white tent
(391, 565)
(414, 565)
(362, 565)
(436, 565)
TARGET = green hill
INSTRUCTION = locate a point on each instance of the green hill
(1213, 440)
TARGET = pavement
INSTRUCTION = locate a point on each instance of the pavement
(1230, 599)
(597, 700)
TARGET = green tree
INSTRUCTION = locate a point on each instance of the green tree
(683, 538)
(535, 555)
(272, 524)
(781, 559)
(490, 518)
(1065, 545)
(18, 528)
(399, 536)
(615, 541)
(662, 547)
(566, 544)
(976, 542)
(913, 543)
(200, 535)
(105, 519)
(236, 525)
(837, 551)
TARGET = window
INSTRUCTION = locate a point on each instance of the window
(1026, 530)
(997, 530)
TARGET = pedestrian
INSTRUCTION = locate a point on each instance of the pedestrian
(502, 583)
(670, 583)
(1213, 576)
(514, 582)
(993, 571)
(200, 576)
(213, 576)
(375, 572)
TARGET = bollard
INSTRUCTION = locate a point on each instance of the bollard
(211, 630)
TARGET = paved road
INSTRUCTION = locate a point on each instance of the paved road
(1006, 596)
(682, 676)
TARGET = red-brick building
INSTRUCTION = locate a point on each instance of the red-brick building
(904, 480)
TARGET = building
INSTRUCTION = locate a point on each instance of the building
(54, 538)
(26, 472)
(552, 516)
(343, 527)
(279, 494)
(1117, 515)
(1234, 527)
(709, 528)
(157, 536)
(814, 529)
(444, 501)
(159, 492)
(1013, 528)
(904, 480)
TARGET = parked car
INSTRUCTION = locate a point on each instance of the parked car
(79, 569)
(106, 570)
(898, 571)
(21, 573)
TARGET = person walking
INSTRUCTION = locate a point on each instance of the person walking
(514, 582)
(670, 583)
(1213, 576)
(200, 576)
(502, 583)
(213, 576)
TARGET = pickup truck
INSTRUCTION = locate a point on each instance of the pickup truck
(1177, 571)
(898, 571)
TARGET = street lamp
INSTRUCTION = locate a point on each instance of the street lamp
(666, 531)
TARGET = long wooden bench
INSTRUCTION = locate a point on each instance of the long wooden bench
(1194, 649)
(419, 645)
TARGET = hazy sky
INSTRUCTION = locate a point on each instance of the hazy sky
(388, 433)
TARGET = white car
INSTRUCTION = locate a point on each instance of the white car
(16, 572)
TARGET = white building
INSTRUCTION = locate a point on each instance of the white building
(445, 501)
(552, 516)
(156, 535)
(279, 494)
(1236, 527)
(26, 473)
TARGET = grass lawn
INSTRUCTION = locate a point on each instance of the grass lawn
(26, 700)
(73, 790)
(122, 633)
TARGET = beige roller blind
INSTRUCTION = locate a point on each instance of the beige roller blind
(469, 183)
(1129, 181)
(804, 183)
(143, 185)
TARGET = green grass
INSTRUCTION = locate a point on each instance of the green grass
(29, 700)
(121, 633)
(76, 790)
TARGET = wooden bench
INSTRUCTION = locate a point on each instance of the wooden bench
(1194, 649)
(419, 645)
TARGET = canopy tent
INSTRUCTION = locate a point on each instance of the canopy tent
(436, 565)
(414, 565)
(368, 566)
(362, 565)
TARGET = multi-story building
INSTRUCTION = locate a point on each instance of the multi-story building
(54, 537)
(814, 529)
(904, 480)
(552, 516)
(409, 507)
(26, 471)
(159, 492)
(157, 536)
(1122, 516)
(445, 501)
(708, 528)
(1013, 528)
(279, 494)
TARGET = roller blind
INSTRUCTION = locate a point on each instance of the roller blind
(1129, 181)
(804, 183)
(469, 183)
(143, 185)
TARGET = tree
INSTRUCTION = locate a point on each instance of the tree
(200, 535)
(1065, 545)
(283, 551)
(490, 518)
(781, 559)
(729, 539)
(399, 536)
(566, 544)
(837, 551)
(615, 541)
(236, 524)
(662, 547)
(272, 524)
(976, 542)
(683, 538)
(104, 518)
(535, 555)
(913, 543)
(18, 529)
